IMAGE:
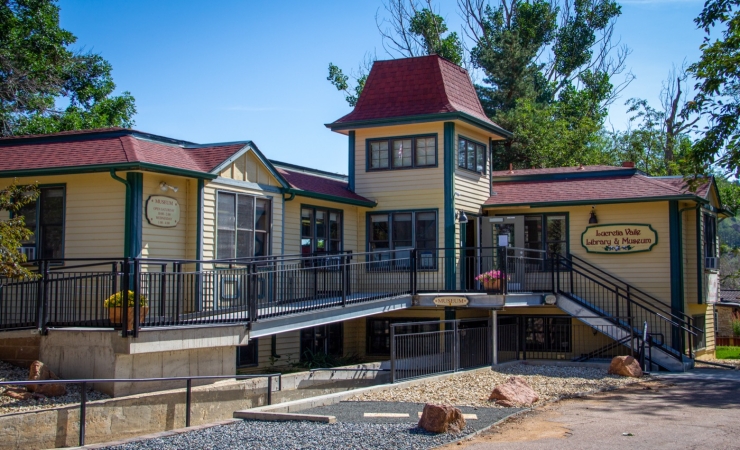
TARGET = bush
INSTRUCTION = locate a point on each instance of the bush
(736, 328)
(116, 300)
(319, 360)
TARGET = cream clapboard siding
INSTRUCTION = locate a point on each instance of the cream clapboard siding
(249, 171)
(176, 242)
(249, 168)
(94, 213)
(410, 189)
(473, 189)
(351, 215)
(649, 271)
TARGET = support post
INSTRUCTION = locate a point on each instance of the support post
(188, 400)
(269, 390)
(137, 293)
(83, 412)
(393, 354)
(494, 336)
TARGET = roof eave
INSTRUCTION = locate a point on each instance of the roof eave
(332, 198)
(249, 145)
(125, 166)
(594, 202)
(421, 118)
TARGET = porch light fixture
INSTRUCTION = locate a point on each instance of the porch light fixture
(166, 187)
(461, 217)
(593, 219)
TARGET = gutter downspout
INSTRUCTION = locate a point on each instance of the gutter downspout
(282, 227)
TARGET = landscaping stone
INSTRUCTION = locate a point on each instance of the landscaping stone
(18, 394)
(39, 372)
(514, 392)
(625, 366)
(442, 419)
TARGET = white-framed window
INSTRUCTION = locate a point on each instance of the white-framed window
(243, 224)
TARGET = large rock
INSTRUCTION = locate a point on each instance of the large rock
(625, 366)
(514, 392)
(39, 372)
(18, 394)
(441, 419)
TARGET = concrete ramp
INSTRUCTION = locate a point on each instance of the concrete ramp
(605, 326)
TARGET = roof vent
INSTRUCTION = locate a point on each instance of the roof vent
(628, 164)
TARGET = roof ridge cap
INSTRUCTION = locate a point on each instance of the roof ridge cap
(660, 183)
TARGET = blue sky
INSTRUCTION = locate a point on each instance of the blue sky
(235, 70)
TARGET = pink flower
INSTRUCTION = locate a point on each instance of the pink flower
(490, 275)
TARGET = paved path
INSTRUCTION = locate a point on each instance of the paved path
(698, 409)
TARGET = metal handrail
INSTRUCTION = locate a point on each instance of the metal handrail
(188, 389)
(630, 287)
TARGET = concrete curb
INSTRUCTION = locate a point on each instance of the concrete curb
(283, 417)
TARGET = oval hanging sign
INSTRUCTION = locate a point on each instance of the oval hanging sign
(162, 211)
(619, 238)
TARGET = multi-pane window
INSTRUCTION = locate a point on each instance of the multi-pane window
(379, 334)
(402, 153)
(45, 218)
(404, 231)
(471, 155)
(321, 230)
(247, 355)
(710, 236)
(243, 226)
(326, 339)
(547, 334)
(557, 234)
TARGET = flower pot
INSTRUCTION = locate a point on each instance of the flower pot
(493, 284)
(116, 315)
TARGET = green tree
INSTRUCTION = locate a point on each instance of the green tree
(13, 231)
(39, 70)
(718, 90)
(555, 59)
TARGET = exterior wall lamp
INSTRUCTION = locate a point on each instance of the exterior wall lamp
(461, 217)
(166, 187)
(593, 220)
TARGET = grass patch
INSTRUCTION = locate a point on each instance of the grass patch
(727, 353)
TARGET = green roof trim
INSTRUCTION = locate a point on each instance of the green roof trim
(599, 202)
(251, 146)
(567, 175)
(439, 117)
(119, 167)
(331, 198)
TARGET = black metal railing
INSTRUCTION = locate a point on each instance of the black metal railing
(622, 304)
(420, 349)
(84, 383)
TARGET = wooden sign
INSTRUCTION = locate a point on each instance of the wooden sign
(162, 211)
(450, 301)
(619, 238)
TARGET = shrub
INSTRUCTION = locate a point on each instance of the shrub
(116, 300)
(736, 327)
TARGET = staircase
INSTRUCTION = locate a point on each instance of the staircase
(621, 310)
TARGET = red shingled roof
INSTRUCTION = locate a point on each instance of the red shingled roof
(306, 181)
(557, 170)
(595, 188)
(109, 146)
(416, 86)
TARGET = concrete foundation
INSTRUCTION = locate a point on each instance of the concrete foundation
(103, 353)
(20, 347)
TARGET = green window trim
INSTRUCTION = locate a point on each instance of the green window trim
(37, 232)
(427, 257)
(389, 149)
(480, 155)
(314, 235)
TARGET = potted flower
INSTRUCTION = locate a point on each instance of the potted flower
(491, 280)
(114, 303)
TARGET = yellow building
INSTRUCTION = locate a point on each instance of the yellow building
(248, 263)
